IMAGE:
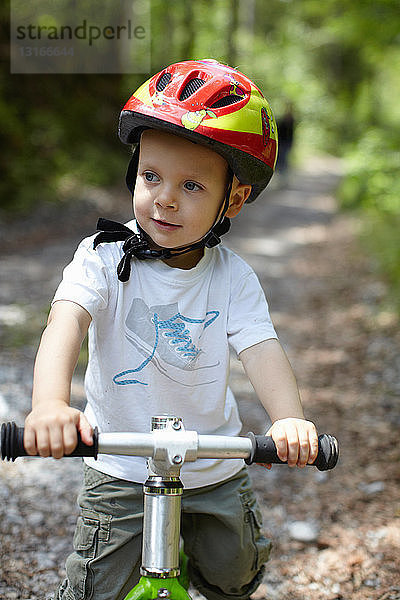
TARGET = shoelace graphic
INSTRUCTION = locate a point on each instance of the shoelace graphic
(178, 334)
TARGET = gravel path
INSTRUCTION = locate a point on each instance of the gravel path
(336, 535)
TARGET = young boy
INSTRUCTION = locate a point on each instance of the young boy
(162, 303)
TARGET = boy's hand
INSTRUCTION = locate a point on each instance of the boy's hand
(296, 441)
(53, 433)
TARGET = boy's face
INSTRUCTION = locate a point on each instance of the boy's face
(179, 192)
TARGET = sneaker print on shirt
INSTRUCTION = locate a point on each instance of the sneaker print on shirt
(162, 335)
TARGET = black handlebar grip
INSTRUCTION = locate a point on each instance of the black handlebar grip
(12, 443)
(264, 451)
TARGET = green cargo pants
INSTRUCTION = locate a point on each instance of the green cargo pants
(220, 527)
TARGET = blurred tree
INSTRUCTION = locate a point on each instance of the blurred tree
(232, 32)
(188, 30)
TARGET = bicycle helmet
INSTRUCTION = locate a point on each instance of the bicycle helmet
(211, 104)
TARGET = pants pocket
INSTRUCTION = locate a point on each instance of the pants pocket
(252, 516)
(85, 537)
(91, 529)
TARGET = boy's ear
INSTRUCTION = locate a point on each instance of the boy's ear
(240, 193)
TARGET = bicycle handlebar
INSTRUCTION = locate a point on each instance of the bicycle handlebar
(253, 448)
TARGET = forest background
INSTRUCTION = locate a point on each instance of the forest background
(337, 62)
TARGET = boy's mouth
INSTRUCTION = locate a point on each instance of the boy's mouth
(165, 225)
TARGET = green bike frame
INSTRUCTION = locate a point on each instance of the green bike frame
(151, 588)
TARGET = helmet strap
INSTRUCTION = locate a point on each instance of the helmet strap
(131, 173)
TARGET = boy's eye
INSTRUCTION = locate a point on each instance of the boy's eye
(191, 186)
(150, 176)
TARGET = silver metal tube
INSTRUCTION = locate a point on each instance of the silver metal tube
(129, 444)
(161, 529)
(143, 444)
(220, 446)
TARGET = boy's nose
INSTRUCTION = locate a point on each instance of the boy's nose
(166, 199)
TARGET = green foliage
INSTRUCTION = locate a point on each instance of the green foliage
(371, 186)
(380, 235)
(371, 181)
(53, 126)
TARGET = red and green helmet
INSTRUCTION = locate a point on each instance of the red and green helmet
(211, 104)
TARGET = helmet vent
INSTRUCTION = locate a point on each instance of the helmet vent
(226, 101)
(190, 88)
(163, 82)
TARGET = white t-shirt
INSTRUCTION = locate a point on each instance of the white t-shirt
(159, 344)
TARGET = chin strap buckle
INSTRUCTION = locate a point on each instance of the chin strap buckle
(213, 238)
